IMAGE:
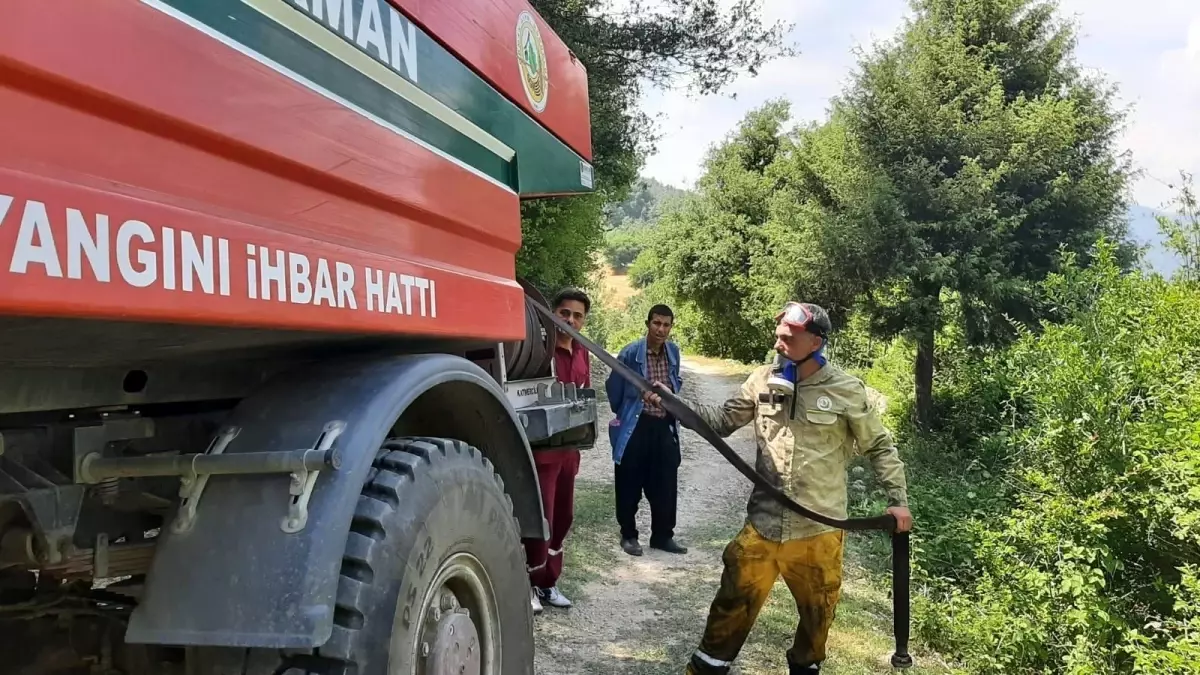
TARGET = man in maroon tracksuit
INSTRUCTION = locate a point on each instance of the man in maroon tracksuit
(557, 468)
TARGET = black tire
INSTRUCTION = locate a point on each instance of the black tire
(427, 503)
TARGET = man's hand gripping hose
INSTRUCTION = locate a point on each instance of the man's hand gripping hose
(690, 419)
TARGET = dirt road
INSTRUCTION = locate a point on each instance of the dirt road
(644, 615)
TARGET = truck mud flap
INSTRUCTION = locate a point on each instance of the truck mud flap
(253, 566)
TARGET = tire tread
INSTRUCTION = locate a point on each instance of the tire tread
(399, 463)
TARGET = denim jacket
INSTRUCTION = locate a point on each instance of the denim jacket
(626, 400)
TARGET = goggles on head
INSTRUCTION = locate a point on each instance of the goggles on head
(799, 317)
(795, 315)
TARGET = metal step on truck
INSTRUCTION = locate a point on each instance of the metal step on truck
(269, 386)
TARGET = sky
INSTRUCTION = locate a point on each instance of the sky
(1149, 48)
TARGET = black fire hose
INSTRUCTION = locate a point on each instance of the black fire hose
(690, 419)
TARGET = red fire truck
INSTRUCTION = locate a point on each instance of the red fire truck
(269, 386)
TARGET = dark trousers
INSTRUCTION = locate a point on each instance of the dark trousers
(650, 466)
(556, 470)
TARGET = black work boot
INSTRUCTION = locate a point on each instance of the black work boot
(631, 546)
(669, 545)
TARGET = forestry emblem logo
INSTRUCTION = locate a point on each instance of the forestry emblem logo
(531, 59)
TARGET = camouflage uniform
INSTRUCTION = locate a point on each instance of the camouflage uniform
(806, 456)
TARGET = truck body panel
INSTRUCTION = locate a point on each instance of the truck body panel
(319, 179)
(378, 228)
(481, 35)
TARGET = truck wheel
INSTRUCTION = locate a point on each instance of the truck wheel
(433, 578)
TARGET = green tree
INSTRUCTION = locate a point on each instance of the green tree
(706, 247)
(1082, 553)
(962, 160)
(703, 44)
(621, 247)
(632, 221)
(1183, 231)
(642, 206)
(1000, 153)
(832, 216)
(779, 214)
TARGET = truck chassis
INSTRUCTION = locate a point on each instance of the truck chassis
(393, 490)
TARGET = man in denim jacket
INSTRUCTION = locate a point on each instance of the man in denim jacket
(645, 438)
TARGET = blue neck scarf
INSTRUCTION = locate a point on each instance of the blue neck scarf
(819, 355)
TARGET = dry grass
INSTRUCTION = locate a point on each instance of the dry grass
(617, 286)
(722, 367)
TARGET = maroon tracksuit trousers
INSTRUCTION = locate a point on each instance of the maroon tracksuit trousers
(556, 474)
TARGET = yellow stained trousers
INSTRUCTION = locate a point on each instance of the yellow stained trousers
(812, 570)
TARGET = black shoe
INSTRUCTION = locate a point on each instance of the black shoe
(670, 546)
(631, 546)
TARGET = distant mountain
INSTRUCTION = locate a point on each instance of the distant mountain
(646, 196)
(1143, 230)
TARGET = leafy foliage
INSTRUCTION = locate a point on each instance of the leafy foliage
(622, 247)
(646, 200)
(1000, 154)
(962, 158)
(614, 325)
(635, 219)
(559, 239)
(1060, 518)
(951, 205)
(1183, 232)
(704, 248)
(703, 42)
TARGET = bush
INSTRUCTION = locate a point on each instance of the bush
(1058, 498)
(621, 247)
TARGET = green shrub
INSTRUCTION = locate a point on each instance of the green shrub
(621, 247)
(1058, 496)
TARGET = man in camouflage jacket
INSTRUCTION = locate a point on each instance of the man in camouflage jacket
(805, 441)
